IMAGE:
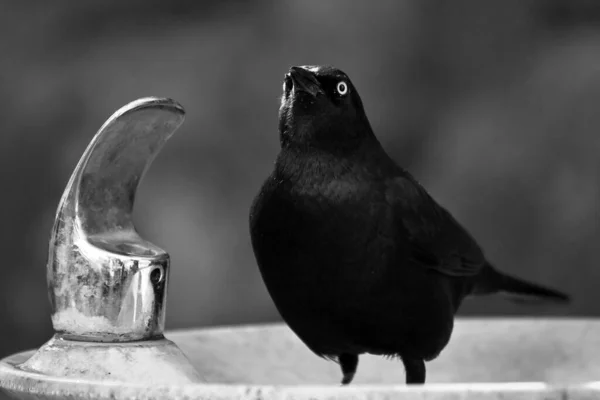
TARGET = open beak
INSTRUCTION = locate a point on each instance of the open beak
(304, 81)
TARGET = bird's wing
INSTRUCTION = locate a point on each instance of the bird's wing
(436, 240)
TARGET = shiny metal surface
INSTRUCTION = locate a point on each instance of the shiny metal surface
(105, 282)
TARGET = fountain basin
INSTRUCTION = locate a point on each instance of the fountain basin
(509, 358)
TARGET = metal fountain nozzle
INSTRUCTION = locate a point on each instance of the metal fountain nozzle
(106, 283)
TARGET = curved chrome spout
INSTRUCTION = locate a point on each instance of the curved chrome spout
(105, 282)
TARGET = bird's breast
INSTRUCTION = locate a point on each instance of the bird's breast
(328, 232)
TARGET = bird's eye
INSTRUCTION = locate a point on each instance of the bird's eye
(342, 88)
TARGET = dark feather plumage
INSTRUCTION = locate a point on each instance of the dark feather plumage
(355, 253)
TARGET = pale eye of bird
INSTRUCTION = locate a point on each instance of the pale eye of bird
(342, 88)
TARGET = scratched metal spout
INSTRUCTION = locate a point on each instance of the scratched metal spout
(105, 282)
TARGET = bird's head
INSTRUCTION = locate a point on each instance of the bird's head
(321, 108)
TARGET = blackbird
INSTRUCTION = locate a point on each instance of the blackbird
(356, 255)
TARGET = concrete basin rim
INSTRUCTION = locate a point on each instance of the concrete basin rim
(14, 379)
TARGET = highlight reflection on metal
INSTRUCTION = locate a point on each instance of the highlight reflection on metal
(105, 282)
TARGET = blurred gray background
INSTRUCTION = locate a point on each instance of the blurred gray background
(493, 105)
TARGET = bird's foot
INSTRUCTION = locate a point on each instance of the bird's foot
(348, 362)
(347, 379)
(415, 371)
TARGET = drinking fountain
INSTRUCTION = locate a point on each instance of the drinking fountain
(108, 293)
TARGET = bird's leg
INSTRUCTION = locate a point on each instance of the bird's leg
(348, 363)
(415, 371)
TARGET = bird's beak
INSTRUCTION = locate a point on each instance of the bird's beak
(305, 81)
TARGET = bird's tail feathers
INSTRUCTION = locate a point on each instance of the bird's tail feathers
(516, 289)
